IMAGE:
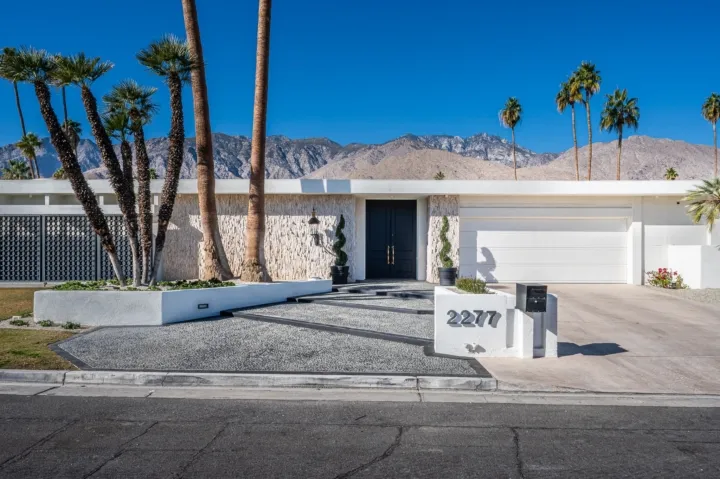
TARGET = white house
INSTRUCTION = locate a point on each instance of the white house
(501, 231)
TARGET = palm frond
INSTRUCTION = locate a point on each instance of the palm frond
(588, 79)
(79, 69)
(28, 144)
(28, 65)
(128, 96)
(117, 124)
(711, 108)
(511, 114)
(167, 56)
(620, 112)
(704, 203)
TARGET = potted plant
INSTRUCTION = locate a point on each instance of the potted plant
(340, 269)
(447, 272)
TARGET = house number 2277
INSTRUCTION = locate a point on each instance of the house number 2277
(467, 318)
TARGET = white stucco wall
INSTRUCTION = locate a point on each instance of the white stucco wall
(289, 251)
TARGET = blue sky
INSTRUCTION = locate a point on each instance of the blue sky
(372, 70)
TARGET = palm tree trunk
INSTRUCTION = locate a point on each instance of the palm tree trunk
(83, 192)
(253, 268)
(716, 149)
(214, 263)
(577, 162)
(36, 170)
(126, 154)
(172, 177)
(619, 152)
(587, 108)
(123, 191)
(19, 108)
(513, 150)
(142, 163)
(65, 115)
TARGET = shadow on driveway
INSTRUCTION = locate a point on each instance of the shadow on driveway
(592, 349)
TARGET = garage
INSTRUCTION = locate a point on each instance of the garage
(547, 244)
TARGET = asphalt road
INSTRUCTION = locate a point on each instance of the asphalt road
(124, 437)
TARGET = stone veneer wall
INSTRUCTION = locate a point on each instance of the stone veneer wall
(289, 251)
(439, 206)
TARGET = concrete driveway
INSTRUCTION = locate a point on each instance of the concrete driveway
(622, 338)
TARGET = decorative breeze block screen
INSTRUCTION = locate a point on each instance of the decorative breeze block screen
(20, 248)
(122, 244)
(71, 249)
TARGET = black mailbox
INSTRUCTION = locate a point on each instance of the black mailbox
(531, 298)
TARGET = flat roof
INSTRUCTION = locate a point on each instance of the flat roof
(408, 188)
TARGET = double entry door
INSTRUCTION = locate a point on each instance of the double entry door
(391, 239)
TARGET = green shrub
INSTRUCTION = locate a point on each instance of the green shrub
(81, 286)
(71, 325)
(472, 285)
(46, 323)
(19, 322)
(444, 254)
(341, 258)
(197, 284)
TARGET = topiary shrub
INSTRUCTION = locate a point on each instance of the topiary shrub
(444, 254)
(341, 258)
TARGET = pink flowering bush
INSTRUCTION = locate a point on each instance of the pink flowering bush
(664, 278)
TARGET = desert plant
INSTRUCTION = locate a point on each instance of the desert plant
(71, 325)
(12, 70)
(472, 285)
(59, 174)
(711, 112)
(46, 323)
(510, 117)
(588, 79)
(341, 258)
(19, 322)
(704, 203)
(568, 95)
(73, 130)
(620, 112)
(439, 176)
(671, 174)
(27, 145)
(16, 170)
(444, 254)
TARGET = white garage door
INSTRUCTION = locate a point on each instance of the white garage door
(546, 245)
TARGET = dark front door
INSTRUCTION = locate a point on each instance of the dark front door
(391, 239)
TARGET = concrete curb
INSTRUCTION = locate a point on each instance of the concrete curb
(241, 380)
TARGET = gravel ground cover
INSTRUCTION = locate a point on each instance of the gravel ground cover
(374, 300)
(710, 295)
(237, 344)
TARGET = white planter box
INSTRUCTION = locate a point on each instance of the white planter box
(153, 308)
(698, 265)
(488, 325)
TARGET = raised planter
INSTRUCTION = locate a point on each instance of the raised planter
(153, 308)
(339, 274)
(488, 325)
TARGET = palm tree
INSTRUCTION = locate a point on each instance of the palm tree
(59, 174)
(253, 267)
(711, 112)
(16, 170)
(588, 78)
(83, 71)
(62, 78)
(73, 130)
(705, 202)
(117, 124)
(135, 102)
(620, 112)
(38, 67)
(568, 95)
(671, 174)
(11, 70)
(171, 59)
(214, 263)
(153, 174)
(27, 145)
(510, 116)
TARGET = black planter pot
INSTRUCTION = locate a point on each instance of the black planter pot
(339, 274)
(447, 276)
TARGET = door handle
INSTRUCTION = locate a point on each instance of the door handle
(388, 254)
(393, 254)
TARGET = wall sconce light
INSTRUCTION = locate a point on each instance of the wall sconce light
(314, 228)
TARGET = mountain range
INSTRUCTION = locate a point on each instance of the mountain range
(407, 157)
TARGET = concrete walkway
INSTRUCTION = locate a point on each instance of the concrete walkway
(622, 338)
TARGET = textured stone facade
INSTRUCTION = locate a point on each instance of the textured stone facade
(289, 250)
(439, 206)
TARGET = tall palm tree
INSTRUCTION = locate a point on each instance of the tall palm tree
(27, 145)
(510, 117)
(215, 263)
(62, 78)
(73, 130)
(711, 112)
(253, 268)
(16, 170)
(83, 71)
(588, 78)
(620, 112)
(117, 124)
(170, 58)
(568, 95)
(135, 102)
(11, 70)
(705, 202)
(38, 67)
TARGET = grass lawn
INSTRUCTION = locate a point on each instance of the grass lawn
(16, 302)
(28, 349)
